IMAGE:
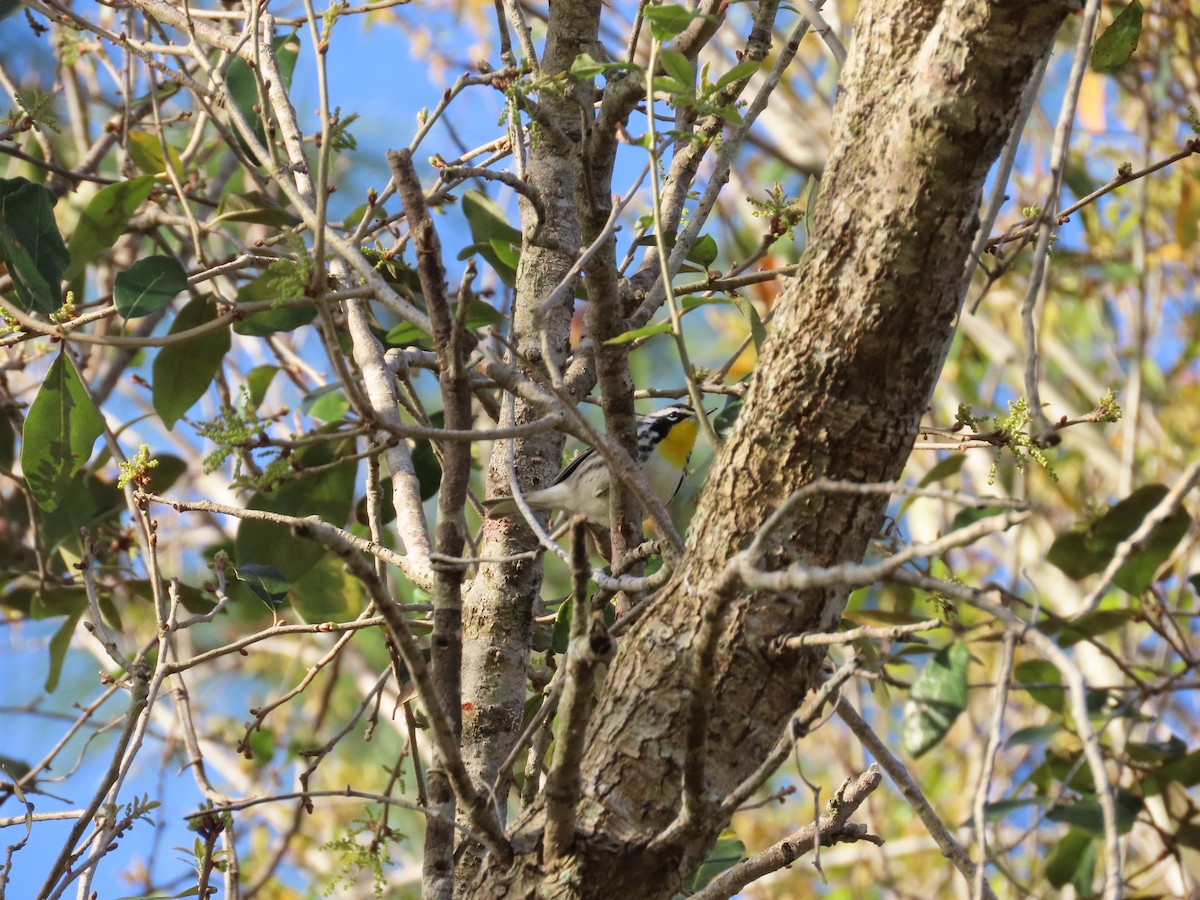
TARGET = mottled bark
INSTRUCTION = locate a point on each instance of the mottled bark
(929, 94)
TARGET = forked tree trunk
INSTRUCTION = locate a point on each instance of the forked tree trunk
(928, 97)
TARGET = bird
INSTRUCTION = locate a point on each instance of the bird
(665, 439)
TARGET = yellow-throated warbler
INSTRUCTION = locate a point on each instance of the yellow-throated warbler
(664, 446)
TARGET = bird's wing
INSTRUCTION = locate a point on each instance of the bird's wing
(573, 465)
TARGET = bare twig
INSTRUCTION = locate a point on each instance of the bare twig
(832, 828)
(1035, 293)
(995, 736)
(589, 646)
(897, 771)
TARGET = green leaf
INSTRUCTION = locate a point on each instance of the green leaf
(267, 583)
(104, 220)
(644, 331)
(758, 331)
(284, 279)
(667, 21)
(1184, 771)
(994, 812)
(30, 244)
(508, 254)
(972, 514)
(1085, 814)
(650, 240)
(488, 225)
(262, 745)
(677, 66)
(1090, 625)
(936, 699)
(60, 430)
(183, 371)
(1088, 551)
(429, 470)
(8, 444)
(147, 154)
(327, 592)
(53, 601)
(1072, 554)
(254, 207)
(148, 285)
(561, 636)
(387, 508)
(585, 66)
(727, 416)
(1116, 45)
(1073, 862)
(671, 86)
(704, 251)
(258, 380)
(480, 314)
(243, 85)
(328, 494)
(326, 403)
(730, 114)
(169, 470)
(695, 301)
(945, 467)
(1037, 671)
(1078, 179)
(726, 852)
(1033, 735)
(87, 502)
(744, 69)
(59, 645)
(1147, 752)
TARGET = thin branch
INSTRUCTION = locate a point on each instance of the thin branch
(951, 848)
(440, 724)
(1008, 159)
(865, 632)
(832, 828)
(801, 577)
(801, 725)
(1078, 692)
(589, 646)
(239, 805)
(314, 527)
(836, 48)
(1035, 294)
(995, 737)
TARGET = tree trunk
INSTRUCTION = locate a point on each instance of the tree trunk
(929, 95)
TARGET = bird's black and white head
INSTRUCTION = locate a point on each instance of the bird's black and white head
(671, 430)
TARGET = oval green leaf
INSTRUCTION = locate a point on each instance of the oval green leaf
(148, 285)
(936, 699)
(30, 244)
(183, 371)
(266, 583)
(60, 430)
(104, 220)
(1116, 45)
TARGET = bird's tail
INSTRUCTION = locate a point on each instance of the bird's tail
(499, 507)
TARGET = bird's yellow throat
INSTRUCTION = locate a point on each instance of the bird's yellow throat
(678, 443)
